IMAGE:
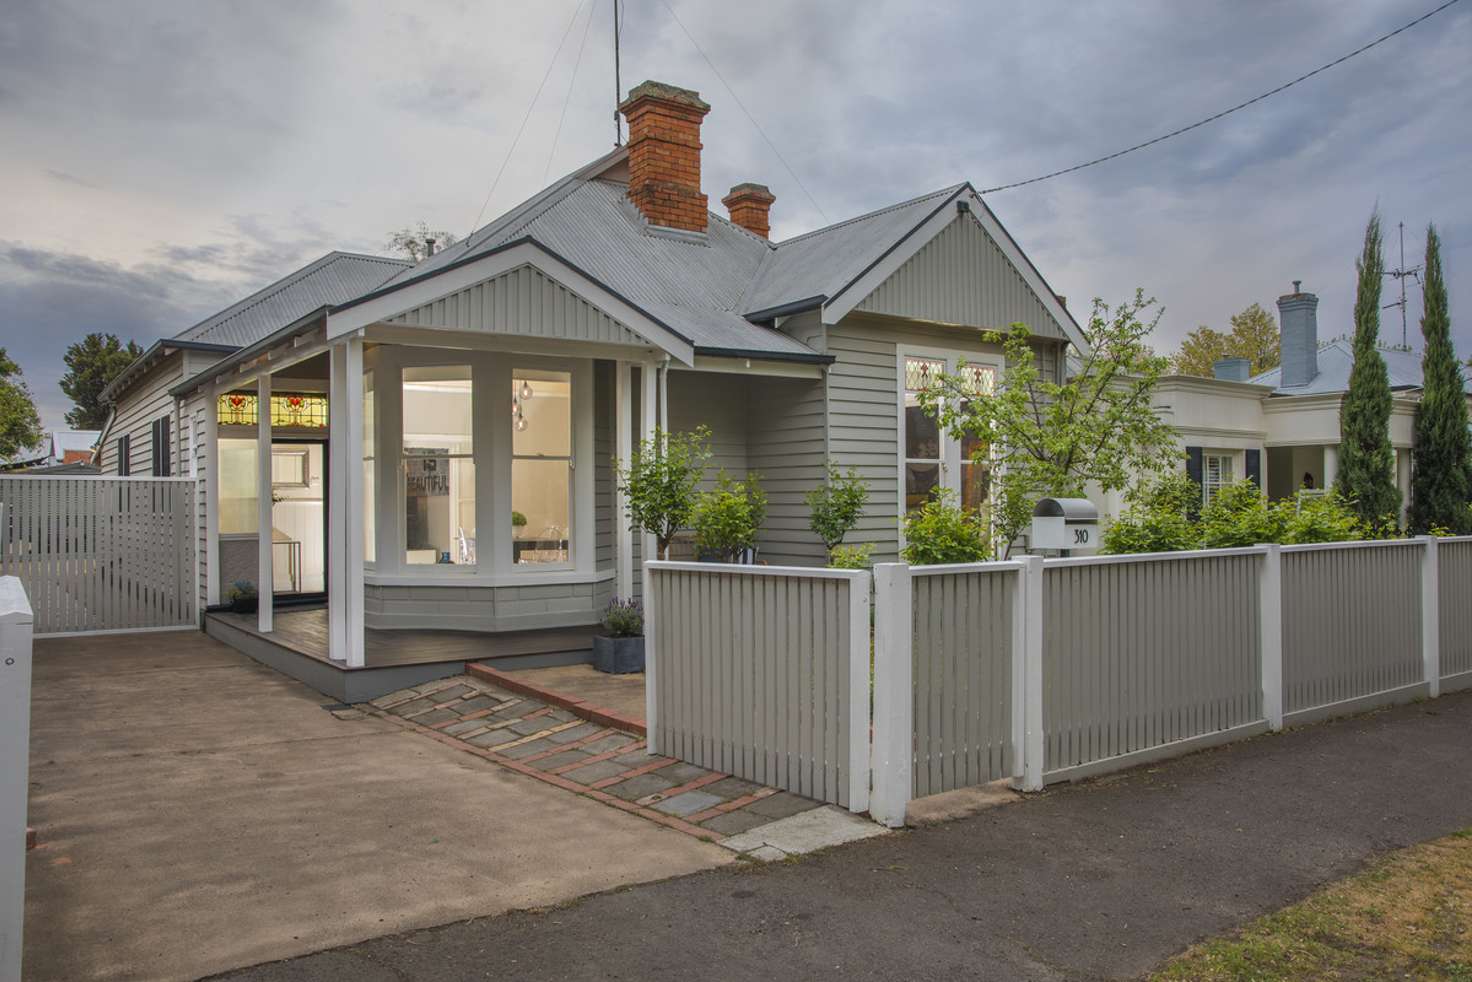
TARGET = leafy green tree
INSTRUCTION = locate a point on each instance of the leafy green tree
(1442, 477)
(1366, 460)
(860, 556)
(1254, 336)
(940, 531)
(659, 483)
(92, 363)
(727, 518)
(836, 506)
(1053, 439)
(1158, 519)
(20, 425)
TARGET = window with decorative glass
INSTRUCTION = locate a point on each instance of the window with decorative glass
(924, 459)
(934, 459)
(541, 467)
(438, 466)
(289, 410)
(976, 466)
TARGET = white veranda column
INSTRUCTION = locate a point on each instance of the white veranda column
(1331, 466)
(338, 419)
(648, 399)
(353, 508)
(265, 574)
(623, 424)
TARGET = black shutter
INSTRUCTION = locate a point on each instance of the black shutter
(161, 449)
(1254, 467)
(124, 448)
(1193, 465)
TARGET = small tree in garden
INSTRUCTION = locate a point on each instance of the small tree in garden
(1366, 461)
(726, 520)
(1044, 438)
(1158, 518)
(939, 531)
(836, 506)
(1440, 483)
(659, 483)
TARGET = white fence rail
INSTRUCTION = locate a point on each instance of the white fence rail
(761, 672)
(101, 553)
(16, 621)
(1039, 670)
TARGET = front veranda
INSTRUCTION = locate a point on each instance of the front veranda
(466, 491)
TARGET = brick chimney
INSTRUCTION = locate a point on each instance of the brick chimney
(664, 154)
(750, 206)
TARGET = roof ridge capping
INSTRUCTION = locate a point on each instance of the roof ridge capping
(939, 192)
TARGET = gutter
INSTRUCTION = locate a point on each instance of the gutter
(298, 326)
(146, 360)
(786, 309)
(799, 357)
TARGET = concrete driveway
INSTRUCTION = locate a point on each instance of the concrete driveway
(199, 812)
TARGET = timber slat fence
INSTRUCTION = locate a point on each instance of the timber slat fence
(101, 553)
(1038, 670)
(763, 673)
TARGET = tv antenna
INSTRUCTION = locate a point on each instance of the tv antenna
(618, 87)
(1401, 274)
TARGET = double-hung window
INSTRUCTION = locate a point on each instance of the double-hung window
(932, 459)
(541, 467)
(438, 466)
(1216, 473)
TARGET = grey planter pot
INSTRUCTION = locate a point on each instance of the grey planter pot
(618, 656)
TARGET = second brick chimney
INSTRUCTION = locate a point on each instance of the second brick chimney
(750, 206)
(664, 154)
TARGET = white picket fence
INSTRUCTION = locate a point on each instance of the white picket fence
(1039, 670)
(16, 622)
(101, 553)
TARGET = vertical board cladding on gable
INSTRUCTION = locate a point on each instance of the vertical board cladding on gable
(135, 410)
(962, 277)
(521, 301)
(787, 444)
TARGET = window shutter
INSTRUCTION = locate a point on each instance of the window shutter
(161, 461)
(124, 464)
(1193, 465)
(1253, 467)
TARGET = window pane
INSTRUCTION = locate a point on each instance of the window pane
(237, 488)
(370, 497)
(368, 418)
(541, 414)
(437, 406)
(920, 481)
(540, 500)
(922, 433)
(975, 486)
(439, 510)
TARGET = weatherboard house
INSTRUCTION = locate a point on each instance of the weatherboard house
(432, 446)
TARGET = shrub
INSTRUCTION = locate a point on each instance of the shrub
(727, 518)
(241, 590)
(1239, 515)
(940, 532)
(624, 619)
(1158, 518)
(659, 483)
(851, 557)
(1327, 518)
(836, 506)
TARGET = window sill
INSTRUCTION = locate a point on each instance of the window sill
(479, 578)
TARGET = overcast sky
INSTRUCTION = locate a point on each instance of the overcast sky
(163, 159)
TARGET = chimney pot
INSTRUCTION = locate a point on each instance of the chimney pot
(428, 246)
(1299, 326)
(750, 206)
(664, 154)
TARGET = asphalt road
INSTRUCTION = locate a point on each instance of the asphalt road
(1103, 879)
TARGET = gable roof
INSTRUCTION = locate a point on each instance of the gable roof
(1336, 362)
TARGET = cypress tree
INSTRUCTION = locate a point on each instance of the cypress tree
(1443, 455)
(1366, 460)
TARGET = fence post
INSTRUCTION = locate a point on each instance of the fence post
(651, 673)
(1027, 676)
(893, 750)
(858, 692)
(1270, 626)
(1431, 616)
(16, 626)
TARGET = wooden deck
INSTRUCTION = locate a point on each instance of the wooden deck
(393, 659)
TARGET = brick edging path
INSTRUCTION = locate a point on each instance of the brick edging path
(587, 710)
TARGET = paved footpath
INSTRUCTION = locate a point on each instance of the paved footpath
(1103, 879)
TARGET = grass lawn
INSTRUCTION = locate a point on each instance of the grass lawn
(1407, 916)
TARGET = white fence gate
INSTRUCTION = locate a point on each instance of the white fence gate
(101, 553)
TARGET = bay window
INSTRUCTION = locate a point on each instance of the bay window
(438, 466)
(541, 467)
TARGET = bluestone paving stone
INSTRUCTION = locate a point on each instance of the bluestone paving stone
(680, 773)
(438, 716)
(526, 727)
(409, 708)
(734, 823)
(637, 787)
(474, 705)
(465, 726)
(781, 805)
(453, 692)
(611, 742)
(492, 739)
(594, 772)
(732, 787)
(817, 828)
(634, 758)
(687, 803)
(527, 749)
(575, 733)
(558, 760)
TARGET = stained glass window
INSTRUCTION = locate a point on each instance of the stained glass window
(294, 410)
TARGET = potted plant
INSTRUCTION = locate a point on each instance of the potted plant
(620, 648)
(243, 597)
(518, 522)
(726, 520)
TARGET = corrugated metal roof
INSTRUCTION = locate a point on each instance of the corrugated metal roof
(335, 278)
(820, 263)
(1336, 362)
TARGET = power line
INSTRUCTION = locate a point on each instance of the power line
(522, 128)
(1225, 112)
(568, 99)
(737, 99)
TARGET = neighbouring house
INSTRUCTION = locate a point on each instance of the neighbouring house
(422, 407)
(1281, 428)
(59, 452)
